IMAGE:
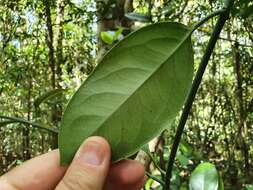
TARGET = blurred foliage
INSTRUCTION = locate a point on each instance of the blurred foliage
(35, 62)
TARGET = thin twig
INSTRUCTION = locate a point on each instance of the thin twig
(226, 39)
(224, 15)
(155, 163)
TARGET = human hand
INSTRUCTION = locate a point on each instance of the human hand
(89, 170)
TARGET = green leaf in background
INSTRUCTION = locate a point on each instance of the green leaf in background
(205, 177)
(148, 184)
(107, 36)
(134, 93)
(118, 34)
(137, 17)
(185, 148)
(184, 161)
(175, 179)
(248, 187)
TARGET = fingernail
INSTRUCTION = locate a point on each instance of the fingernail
(91, 153)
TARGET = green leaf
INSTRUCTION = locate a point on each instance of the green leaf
(148, 184)
(137, 17)
(107, 37)
(185, 148)
(111, 36)
(184, 161)
(134, 93)
(118, 33)
(47, 96)
(248, 187)
(205, 177)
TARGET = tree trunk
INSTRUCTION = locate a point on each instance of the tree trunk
(26, 129)
(59, 40)
(54, 66)
(50, 40)
(242, 134)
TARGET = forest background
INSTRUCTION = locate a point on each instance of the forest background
(47, 48)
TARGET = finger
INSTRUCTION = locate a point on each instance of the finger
(89, 168)
(40, 173)
(127, 174)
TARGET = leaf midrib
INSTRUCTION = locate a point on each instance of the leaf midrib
(152, 73)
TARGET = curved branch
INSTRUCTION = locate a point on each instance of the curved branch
(204, 20)
(35, 125)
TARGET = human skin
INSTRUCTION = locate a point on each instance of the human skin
(89, 170)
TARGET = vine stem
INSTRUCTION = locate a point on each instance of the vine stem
(205, 19)
(35, 125)
(155, 163)
(224, 16)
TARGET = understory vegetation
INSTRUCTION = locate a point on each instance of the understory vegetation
(48, 48)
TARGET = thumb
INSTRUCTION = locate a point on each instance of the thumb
(89, 168)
